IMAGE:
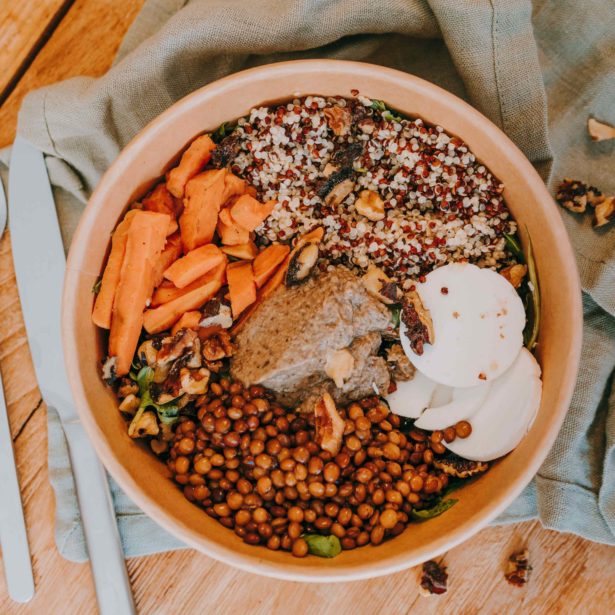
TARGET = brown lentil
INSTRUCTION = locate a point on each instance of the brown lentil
(258, 469)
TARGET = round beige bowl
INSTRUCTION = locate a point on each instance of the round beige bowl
(144, 478)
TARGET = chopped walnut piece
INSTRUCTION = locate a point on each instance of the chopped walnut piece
(145, 425)
(518, 568)
(194, 382)
(329, 424)
(370, 205)
(514, 274)
(217, 346)
(433, 579)
(129, 404)
(600, 131)
(575, 195)
(604, 212)
(419, 326)
(338, 120)
(399, 364)
(380, 286)
(127, 386)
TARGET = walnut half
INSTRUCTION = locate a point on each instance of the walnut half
(604, 212)
(338, 120)
(576, 196)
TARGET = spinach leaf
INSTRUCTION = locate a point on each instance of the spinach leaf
(389, 117)
(323, 546)
(378, 105)
(515, 247)
(529, 291)
(167, 413)
(395, 315)
(222, 131)
(97, 285)
(530, 334)
(429, 513)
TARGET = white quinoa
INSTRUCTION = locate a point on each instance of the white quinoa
(441, 204)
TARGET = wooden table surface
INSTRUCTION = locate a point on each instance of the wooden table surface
(43, 41)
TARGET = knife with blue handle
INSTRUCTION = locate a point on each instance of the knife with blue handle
(40, 262)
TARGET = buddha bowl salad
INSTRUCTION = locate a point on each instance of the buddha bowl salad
(322, 321)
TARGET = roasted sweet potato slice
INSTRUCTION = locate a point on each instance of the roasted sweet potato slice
(231, 234)
(194, 264)
(168, 292)
(172, 251)
(250, 213)
(205, 194)
(245, 251)
(268, 261)
(189, 320)
(166, 315)
(192, 161)
(103, 306)
(160, 200)
(144, 243)
(242, 289)
(233, 186)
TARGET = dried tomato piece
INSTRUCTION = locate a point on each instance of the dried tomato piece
(433, 578)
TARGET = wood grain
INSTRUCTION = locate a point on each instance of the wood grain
(570, 575)
(23, 28)
(84, 43)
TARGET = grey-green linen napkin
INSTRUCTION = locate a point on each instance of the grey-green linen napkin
(516, 62)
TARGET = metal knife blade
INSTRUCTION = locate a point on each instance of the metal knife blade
(40, 263)
(13, 536)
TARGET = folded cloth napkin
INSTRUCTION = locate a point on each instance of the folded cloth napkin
(515, 67)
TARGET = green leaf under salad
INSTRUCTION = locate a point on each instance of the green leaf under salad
(323, 546)
(529, 291)
(530, 334)
(378, 105)
(395, 315)
(222, 131)
(97, 285)
(167, 413)
(429, 513)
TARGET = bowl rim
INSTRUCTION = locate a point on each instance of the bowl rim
(190, 536)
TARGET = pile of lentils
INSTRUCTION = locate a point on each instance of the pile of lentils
(258, 469)
(441, 204)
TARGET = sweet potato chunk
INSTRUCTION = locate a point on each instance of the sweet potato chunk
(160, 200)
(167, 291)
(205, 194)
(244, 251)
(189, 320)
(144, 243)
(250, 213)
(194, 264)
(172, 251)
(242, 289)
(168, 314)
(231, 234)
(233, 186)
(103, 307)
(268, 261)
(192, 161)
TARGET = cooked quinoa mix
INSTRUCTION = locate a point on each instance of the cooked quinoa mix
(440, 204)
